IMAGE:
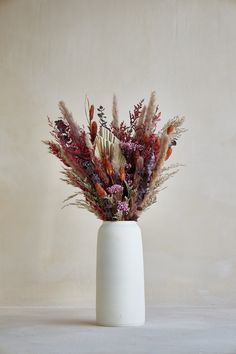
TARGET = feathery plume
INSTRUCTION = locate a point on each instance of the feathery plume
(157, 169)
(115, 121)
(150, 113)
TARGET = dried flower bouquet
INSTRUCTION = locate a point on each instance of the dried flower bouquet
(118, 167)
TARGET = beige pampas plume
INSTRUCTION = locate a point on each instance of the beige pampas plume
(150, 112)
(157, 170)
(177, 130)
(115, 116)
(65, 113)
(68, 117)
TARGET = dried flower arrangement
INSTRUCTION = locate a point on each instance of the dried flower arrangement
(118, 167)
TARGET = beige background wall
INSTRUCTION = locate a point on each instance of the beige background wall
(55, 49)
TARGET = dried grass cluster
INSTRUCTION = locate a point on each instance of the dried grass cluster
(118, 167)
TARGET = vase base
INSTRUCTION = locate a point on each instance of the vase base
(120, 324)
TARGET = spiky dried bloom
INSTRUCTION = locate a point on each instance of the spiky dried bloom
(118, 167)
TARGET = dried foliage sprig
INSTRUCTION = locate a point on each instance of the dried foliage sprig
(118, 167)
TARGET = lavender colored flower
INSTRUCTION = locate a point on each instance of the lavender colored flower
(146, 176)
(123, 207)
(142, 191)
(116, 188)
(150, 165)
(130, 147)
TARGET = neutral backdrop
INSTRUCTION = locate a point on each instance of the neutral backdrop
(54, 49)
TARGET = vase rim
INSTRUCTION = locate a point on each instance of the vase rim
(120, 222)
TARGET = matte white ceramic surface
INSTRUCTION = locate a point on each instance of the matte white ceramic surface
(120, 299)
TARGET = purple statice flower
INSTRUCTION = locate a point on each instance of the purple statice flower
(116, 188)
(150, 165)
(123, 207)
(146, 176)
(141, 192)
(130, 147)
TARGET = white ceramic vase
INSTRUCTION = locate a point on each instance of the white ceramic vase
(120, 299)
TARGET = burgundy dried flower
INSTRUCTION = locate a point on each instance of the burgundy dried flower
(91, 112)
(93, 130)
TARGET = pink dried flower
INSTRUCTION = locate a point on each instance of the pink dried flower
(123, 206)
(116, 188)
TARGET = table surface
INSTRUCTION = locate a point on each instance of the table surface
(198, 330)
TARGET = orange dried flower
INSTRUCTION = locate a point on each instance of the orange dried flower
(122, 173)
(91, 112)
(100, 191)
(108, 166)
(169, 152)
(170, 129)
